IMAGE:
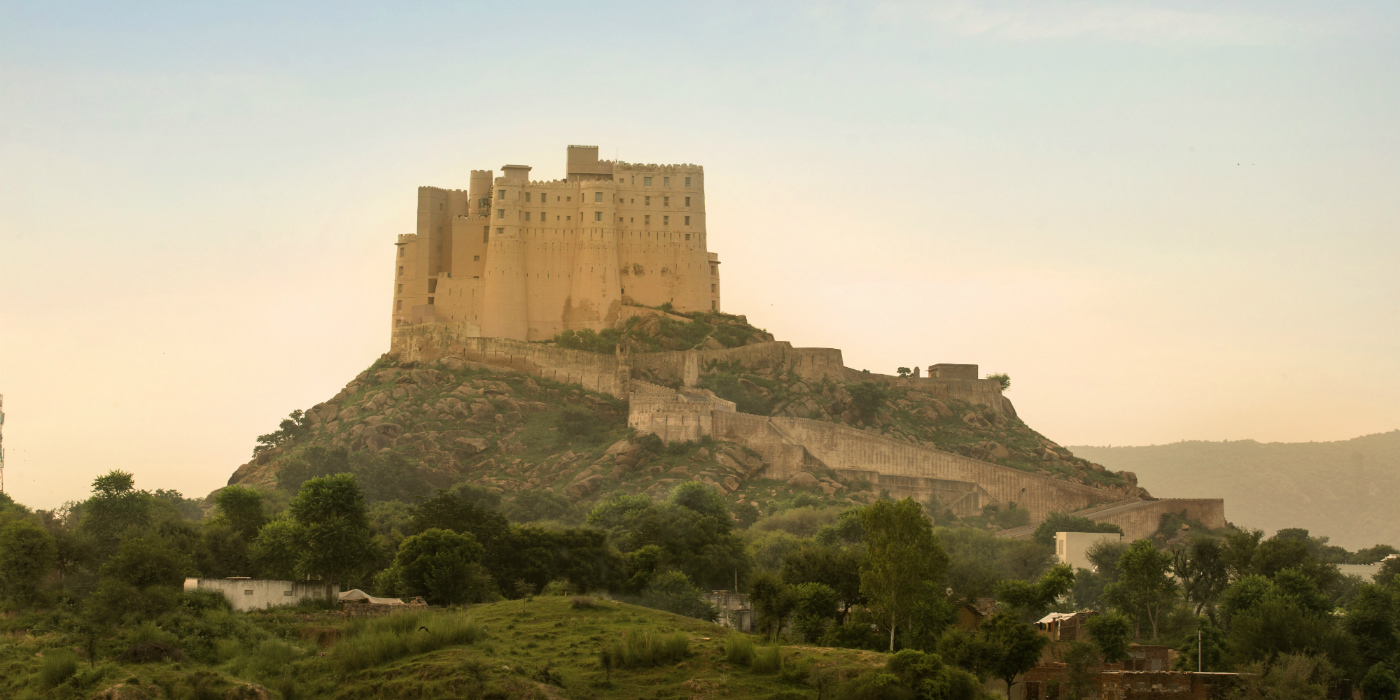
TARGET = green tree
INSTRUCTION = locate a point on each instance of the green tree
(1060, 522)
(1204, 571)
(147, 560)
(1081, 669)
(866, 399)
(1111, 634)
(1203, 651)
(901, 554)
(673, 592)
(813, 605)
(1032, 600)
(1144, 584)
(772, 602)
(114, 509)
(1017, 646)
(277, 549)
(968, 650)
(243, 507)
(837, 568)
(335, 527)
(929, 678)
(27, 554)
(442, 566)
(1379, 684)
(1373, 618)
(222, 551)
(1001, 378)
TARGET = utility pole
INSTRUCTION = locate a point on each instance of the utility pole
(2, 443)
(1199, 666)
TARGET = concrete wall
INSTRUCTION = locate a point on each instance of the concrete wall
(592, 371)
(261, 593)
(674, 416)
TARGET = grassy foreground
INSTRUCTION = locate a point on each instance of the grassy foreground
(548, 647)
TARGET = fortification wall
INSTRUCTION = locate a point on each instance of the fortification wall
(964, 498)
(1141, 519)
(674, 416)
(430, 342)
(979, 391)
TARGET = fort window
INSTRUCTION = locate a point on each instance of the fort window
(646, 181)
(401, 249)
(500, 194)
(597, 196)
(647, 219)
(687, 236)
(687, 182)
(476, 258)
(647, 200)
(500, 231)
(665, 182)
(665, 201)
(400, 290)
(400, 270)
(430, 301)
(597, 216)
(432, 286)
(527, 216)
(687, 222)
(500, 213)
(398, 304)
(687, 201)
(712, 288)
(485, 234)
(544, 216)
(665, 221)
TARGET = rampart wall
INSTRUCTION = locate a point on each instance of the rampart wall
(1141, 519)
(430, 342)
(674, 416)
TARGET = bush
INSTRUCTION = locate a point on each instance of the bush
(395, 636)
(59, 665)
(1060, 522)
(738, 649)
(558, 587)
(644, 649)
(582, 602)
(767, 659)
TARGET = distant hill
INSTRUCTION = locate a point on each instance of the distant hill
(1347, 490)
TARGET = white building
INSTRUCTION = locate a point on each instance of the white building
(261, 593)
(1073, 547)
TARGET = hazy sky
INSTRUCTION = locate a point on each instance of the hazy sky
(1163, 220)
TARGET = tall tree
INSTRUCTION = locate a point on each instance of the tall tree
(335, 526)
(1144, 583)
(1203, 568)
(1032, 600)
(441, 566)
(243, 508)
(1017, 644)
(901, 554)
(27, 554)
(1111, 633)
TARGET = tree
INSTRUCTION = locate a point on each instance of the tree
(1081, 669)
(1001, 378)
(114, 509)
(243, 507)
(147, 561)
(813, 605)
(968, 650)
(866, 399)
(277, 549)
(1240, 548)
(1373, 618)
(673, 592)
(1110, 633)
(904, 372)
(772, 602)
(1060, 522)
(837, 568)
(1379, 684)
(441, 566)
(542, 504)
(1144, 582)
(1032, 600)
(461, 510)
(929, 678)
(27, 554)
(1017, 646)
(1203, 651)
(901, 553)
(335, 527)
(1204, 571)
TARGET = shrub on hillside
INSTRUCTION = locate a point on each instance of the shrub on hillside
(1061, 522)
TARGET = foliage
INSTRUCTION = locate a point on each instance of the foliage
(385, 639)
(866, 399)
(698, 541)
(289, 429)
(1002, 379)
(1203, 570)
(1373, 618)
(335, 527)
(647, 648)
(530, 506)
(772, 601)
(1379, 684)
(1081, 669)
(902, 553)
(1144, 586)
(588, 340)
(1204, 651)
(738, 649)
(1111, 633)
(1288, 677)
(673, 592)
(277, 549)
(1060, 522)
(27, 554)
(1032, 600)
(243, 508)
(442, 566)
(1016, 646)
(837, 568)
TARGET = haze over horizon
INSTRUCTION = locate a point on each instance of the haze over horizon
(1165, 221)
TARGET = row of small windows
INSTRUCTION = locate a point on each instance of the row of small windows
(597, 196)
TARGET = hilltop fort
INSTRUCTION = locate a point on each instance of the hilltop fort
(519, 303)
(512, 257)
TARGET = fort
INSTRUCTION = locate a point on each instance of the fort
(512, 257)
(512, 260)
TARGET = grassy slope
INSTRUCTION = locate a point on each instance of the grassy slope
(517, 640)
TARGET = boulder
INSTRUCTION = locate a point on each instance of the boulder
(470, 446)
(803, 480)
(618, 447)
(584, 487)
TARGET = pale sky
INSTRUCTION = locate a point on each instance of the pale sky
(1165, 221)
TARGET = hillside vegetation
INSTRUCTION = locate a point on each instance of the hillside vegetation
(1346, 489)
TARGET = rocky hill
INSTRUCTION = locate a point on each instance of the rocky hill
(407, 428)
(1346, 490)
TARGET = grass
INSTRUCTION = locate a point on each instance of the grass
(647, 648)
(386, 639)
(767, 659)
(57, 667)
(738, 649)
